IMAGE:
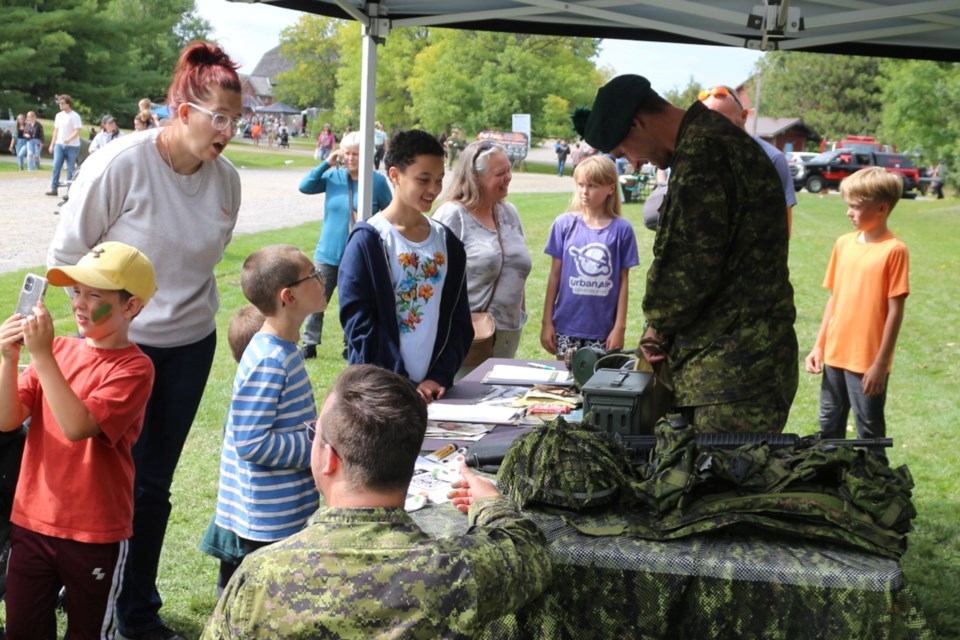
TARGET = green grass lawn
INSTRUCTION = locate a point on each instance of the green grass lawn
(922, 407)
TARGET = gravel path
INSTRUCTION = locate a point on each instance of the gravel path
(270, 201)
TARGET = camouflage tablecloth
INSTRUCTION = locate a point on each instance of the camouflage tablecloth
(731, 585)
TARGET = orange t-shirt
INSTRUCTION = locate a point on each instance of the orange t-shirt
(863, 276)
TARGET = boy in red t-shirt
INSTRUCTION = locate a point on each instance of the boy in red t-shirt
(85, 398)
(868, 277)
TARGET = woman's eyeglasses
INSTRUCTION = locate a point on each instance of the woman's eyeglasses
(219, 121)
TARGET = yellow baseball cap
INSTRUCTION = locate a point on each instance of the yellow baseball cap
(112, 266)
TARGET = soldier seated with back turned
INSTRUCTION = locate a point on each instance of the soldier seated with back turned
(362, 568)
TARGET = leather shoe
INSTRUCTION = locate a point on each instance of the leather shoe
(51, 193)
(309, 351)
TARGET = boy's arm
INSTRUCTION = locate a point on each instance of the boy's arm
(814, 360)
(548, 334)
(616, 338)
(12, 411)
(875, 379)
(71, 414)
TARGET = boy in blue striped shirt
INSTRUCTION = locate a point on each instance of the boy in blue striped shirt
(266, 489)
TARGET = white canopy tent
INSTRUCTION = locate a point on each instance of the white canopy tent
(927, 29)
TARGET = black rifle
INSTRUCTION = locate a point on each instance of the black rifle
(488, 456)
(639, 446)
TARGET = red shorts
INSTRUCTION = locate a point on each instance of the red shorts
(39, 565)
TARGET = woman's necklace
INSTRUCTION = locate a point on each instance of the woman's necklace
(182, 181)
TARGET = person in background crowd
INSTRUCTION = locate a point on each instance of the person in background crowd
(65, 142)
(362, 568)
(325, 142)
(475, 209)
(379, 143)
(108, 133)
(563, 150)
(341, 185)
(170, 190)
(718, 303)
(18, 142)
(33, 134)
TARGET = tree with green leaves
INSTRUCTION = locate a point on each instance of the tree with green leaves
(919, 108)
(835, 95)
(685, 97)
(107, 54)
(312, 45)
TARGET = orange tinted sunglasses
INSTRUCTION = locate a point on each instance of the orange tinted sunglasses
(719, 92)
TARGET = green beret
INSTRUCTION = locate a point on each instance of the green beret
(609, 122)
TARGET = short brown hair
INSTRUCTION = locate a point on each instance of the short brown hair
(268, 270)
(244, 323)
(376, 422)
(872, 184)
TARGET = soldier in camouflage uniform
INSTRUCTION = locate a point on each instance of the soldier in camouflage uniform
(718, 298)
(361, 568)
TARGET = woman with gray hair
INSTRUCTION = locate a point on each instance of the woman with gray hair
(338, 177)
(498, 261)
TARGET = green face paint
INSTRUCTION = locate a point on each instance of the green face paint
(102, 312)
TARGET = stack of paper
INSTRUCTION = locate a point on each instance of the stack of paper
(473, 413)
(520, 375)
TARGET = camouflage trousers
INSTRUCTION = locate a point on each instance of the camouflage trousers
(764, 413)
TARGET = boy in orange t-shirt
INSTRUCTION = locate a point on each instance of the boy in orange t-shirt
(85, 397)
(869, 282)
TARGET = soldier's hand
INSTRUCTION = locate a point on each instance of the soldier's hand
(653, 346)
(470, 488)
(814, 361)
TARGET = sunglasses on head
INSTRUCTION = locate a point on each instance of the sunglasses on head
(482, 147)
(719, 92)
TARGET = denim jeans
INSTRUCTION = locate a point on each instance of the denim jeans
(63, 153)
(33, 154)
(21, 152)
(313, 328)
(179, 380)
(841, 390)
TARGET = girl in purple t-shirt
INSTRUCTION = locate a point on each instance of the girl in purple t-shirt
(592, 249)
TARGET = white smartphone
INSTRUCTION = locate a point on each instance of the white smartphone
(33, 289)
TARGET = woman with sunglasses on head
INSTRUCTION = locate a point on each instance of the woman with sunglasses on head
(498, 261)
(338, 177)
(169, 192)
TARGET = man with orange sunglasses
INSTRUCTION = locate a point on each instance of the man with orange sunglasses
(725, 100)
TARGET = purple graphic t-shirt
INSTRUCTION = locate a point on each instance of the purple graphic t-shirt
(591, 263)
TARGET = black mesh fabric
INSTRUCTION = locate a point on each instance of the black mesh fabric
(726, 585)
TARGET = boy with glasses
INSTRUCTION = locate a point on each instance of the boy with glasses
(266, 491)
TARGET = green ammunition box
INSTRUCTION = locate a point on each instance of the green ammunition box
(620, 401)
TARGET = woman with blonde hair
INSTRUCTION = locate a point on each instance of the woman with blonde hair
(498, 261)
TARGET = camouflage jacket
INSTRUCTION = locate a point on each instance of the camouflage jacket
(718, 286)
(373, 573)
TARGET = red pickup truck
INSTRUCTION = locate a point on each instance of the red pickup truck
(828, 169)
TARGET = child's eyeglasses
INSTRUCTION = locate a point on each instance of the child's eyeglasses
(316, 275)
(719, 92)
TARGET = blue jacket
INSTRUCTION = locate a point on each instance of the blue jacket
(368, 310)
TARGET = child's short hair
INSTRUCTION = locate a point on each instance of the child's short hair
(405, 146)
(268, 270)
(243, 325)
(599, 170)
(872, 184)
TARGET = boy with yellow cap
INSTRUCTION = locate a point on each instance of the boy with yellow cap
(85, 398)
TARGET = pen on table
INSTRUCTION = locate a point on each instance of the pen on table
(537, 365)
